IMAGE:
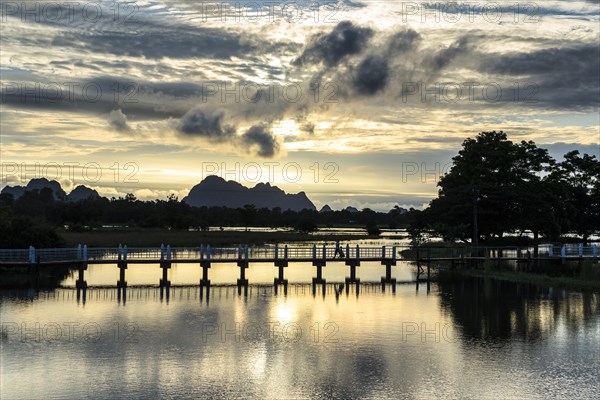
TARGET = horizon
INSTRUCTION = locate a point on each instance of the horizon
(409, 171)
(184, 198)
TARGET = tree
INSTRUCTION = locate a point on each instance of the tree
(539, 209)
(248, 214)
(373, 229)
(577, 180)
(485, 187)
(305, 225)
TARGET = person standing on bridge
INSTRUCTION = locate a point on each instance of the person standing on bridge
(338, 250)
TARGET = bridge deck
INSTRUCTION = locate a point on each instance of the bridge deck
(275, 254)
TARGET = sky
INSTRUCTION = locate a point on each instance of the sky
(357, 103)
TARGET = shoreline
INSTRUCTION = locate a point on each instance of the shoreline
(565, 282)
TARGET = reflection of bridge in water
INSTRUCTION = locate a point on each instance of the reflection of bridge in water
(188, 292)
(319, 256)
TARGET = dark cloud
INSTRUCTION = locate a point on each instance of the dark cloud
(403, 41)
(331, 48)
(196, 122)
(148, 34)
(559, 149)
(77, 103)
(379, 53)
(101, 95)
(372, 75)
(372, 72)
(197, 43)
(308, 127)
(118, 121)
(260, 140)
(569, 62)
(564, 77)
(443, 58)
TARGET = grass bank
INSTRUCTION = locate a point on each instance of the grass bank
(585, 276)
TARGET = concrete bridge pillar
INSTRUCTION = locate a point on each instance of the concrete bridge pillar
(82, 267)
(165, 265)
(243, 264)
(353, 263)
(318, 280)
(388, 262)
(122, 265)
(205, 264)
(281, 264)
(81, 283)
(34, 267)
(352, 279)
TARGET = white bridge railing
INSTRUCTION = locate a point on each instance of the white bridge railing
(275, 252)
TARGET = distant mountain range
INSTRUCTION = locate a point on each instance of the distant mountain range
(325, 208)
(82, 193)
(79, 193)
(213, 191)
(216, 191)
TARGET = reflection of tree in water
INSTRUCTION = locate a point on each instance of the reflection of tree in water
(355, 376)
(484, 308)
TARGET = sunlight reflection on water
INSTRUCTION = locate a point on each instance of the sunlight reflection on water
(466, 339)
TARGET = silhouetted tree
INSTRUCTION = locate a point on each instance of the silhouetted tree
(577, 180)
(248, 214)
(373, 229)
(489, 178)
(305, 225)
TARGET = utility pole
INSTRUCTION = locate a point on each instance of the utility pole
(475, 239)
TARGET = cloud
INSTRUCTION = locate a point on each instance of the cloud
(118, 121)
(362, 61)
(148, 33)
(259, 139)
(567, 61)
(403, 41)
(331, 48)
(530, 12)
(197, 122)
(136, 99)
(565, 77)
(374, 72)
(167, 43)
(444, 57)
(307, 127)
(372, 75)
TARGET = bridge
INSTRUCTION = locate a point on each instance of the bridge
(318, 255)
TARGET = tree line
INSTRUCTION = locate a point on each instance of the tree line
(34, 217)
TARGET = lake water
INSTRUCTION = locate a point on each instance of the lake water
(470, 338)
